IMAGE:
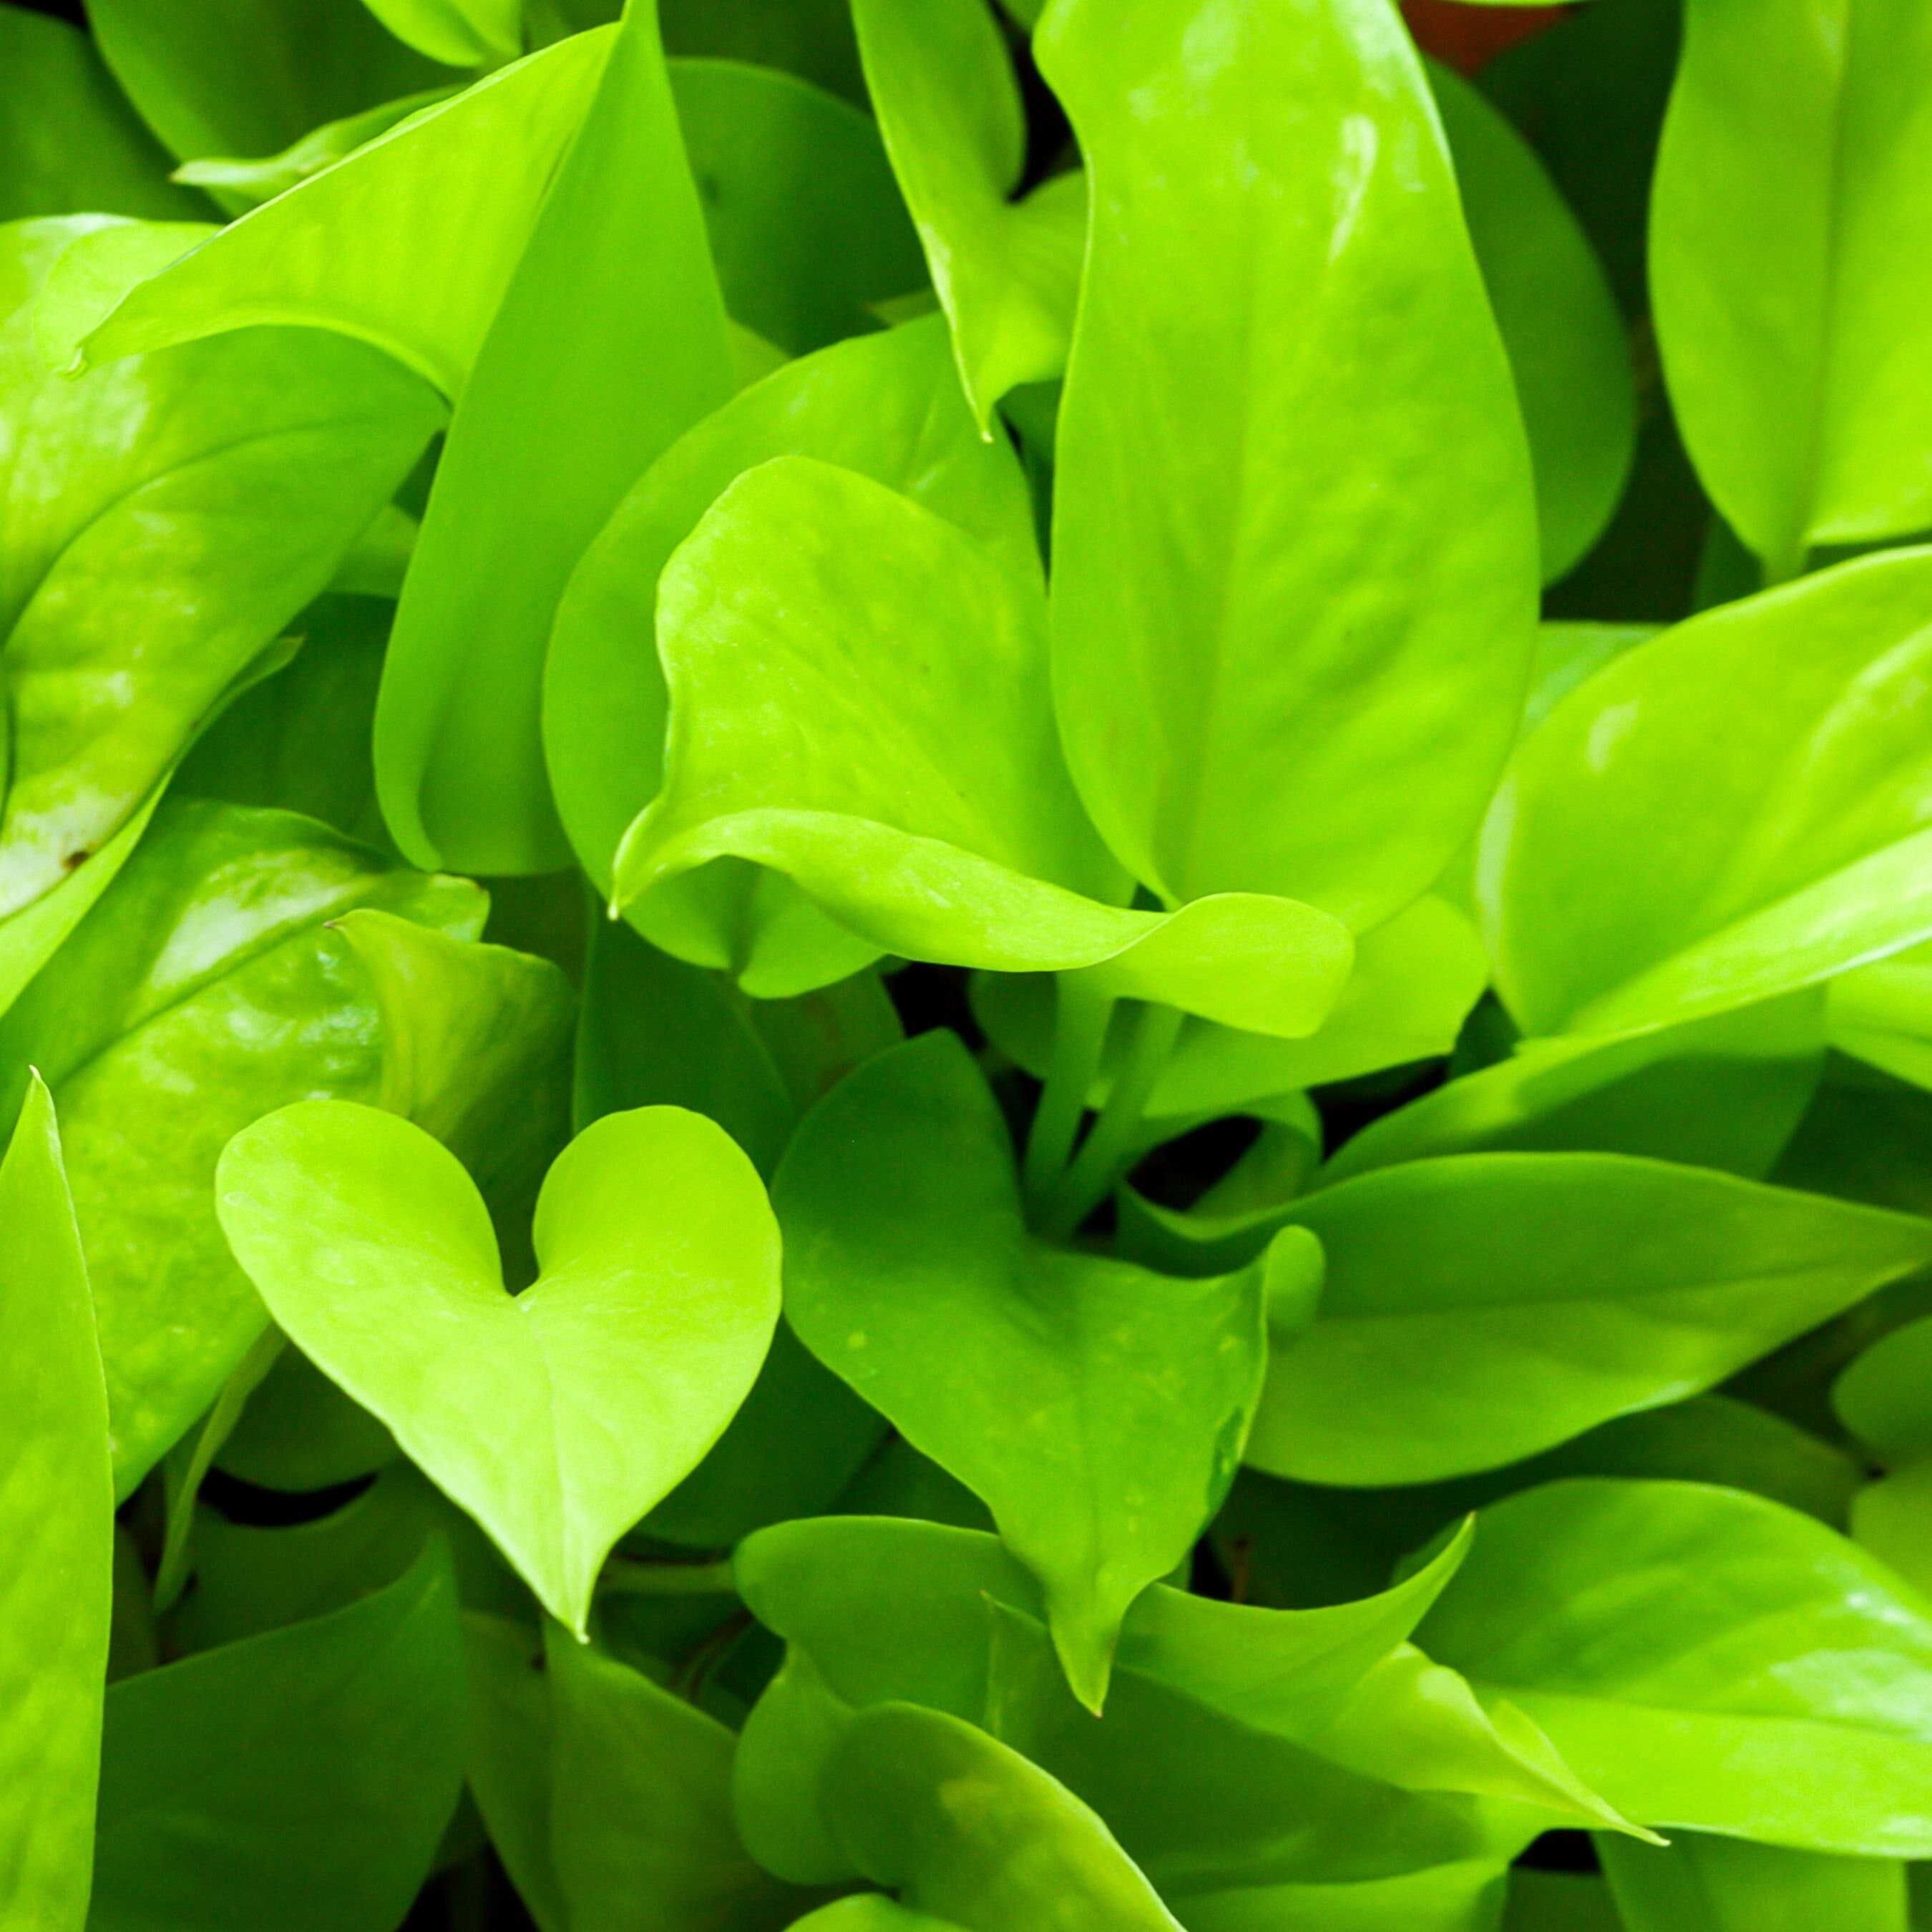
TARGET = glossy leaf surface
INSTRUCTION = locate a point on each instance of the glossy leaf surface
(1707, 1659)
(613, 1374)
(439, 210)
(1788, 238)
(970, 1832)
(1635, 873)
(1007, 272)
(57, 1502)
(1097, 1407)
(1294, 540)
(1518, 1299)
(207, 988)
(195, 501)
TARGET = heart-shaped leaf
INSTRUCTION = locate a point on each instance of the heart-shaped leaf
(556, 1418)
(1097, 1407)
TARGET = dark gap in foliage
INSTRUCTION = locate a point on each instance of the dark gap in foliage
(476, 1896)
(934, 996)
(253, 1506)
(1177, 1173)
(61, 10)
(1562, 1852)
(1049, 133)
(1210, 1576)
(1350, 1106)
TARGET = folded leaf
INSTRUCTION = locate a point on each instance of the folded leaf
(617, 276)
(1637, 872)
(887, 406)
(931, 813)
(886, 1608)
(1295, 542)
(439, 210)
(1706, 1660)
(1211, 1764)
(612, 1376)
(1098, 1409)
(300, 1779)
(57, 1517)
(1789, 236)
(164, 521)
(1006, 272)
(1517, 1299)
(70, 143)
(1558, 319)
(208, 987)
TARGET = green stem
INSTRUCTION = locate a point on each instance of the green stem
(625, 1578)
(1104, 1155)
(1080, 1021)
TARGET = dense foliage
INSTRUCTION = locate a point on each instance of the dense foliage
(1229, 1231)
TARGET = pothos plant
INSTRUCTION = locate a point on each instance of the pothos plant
(965, 969)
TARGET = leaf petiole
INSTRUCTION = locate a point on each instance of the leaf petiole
(622, 1577)
(1108, 1150)
(1080, 1020)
